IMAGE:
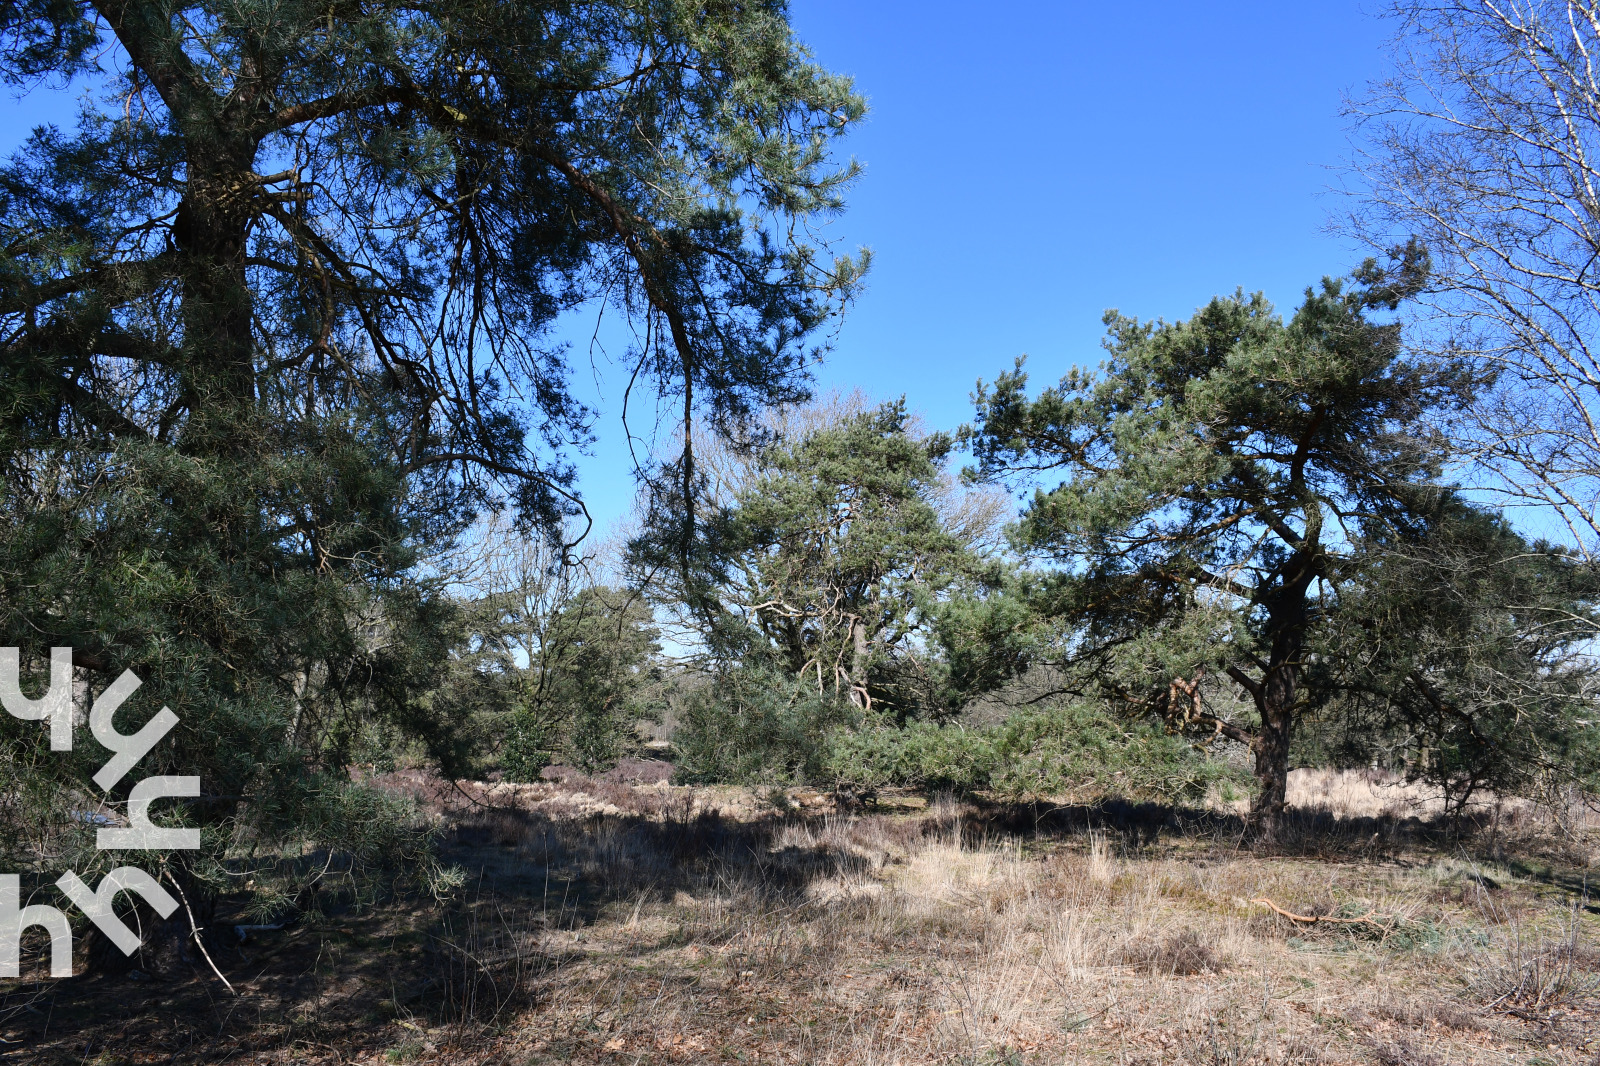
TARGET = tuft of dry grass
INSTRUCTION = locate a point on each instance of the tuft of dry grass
(1537, 973)
(1183, 953)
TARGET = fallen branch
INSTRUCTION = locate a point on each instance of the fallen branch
(1312, 919)
(194, 929)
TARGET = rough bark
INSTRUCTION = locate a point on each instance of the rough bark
(1276, 693)
(860, 653)
(211, 232)
(1272, 750)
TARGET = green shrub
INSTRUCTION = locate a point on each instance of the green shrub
(1059, 750)
(1081, 749)
(588, 690)
(916, 755)
(529, 746)
(754, 726)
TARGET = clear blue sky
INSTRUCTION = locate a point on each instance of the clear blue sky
(1031, 164)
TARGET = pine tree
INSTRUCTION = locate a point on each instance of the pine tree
(833, 563)
(1219, 476)
(274, 325)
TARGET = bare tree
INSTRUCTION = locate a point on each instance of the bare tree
(525, 580)
(1485, 143)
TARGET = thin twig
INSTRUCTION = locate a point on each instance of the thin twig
(194, 928)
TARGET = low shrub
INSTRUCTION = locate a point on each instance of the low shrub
(1064, 749)
(755, 727)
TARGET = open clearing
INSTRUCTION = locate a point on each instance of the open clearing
(605, 922)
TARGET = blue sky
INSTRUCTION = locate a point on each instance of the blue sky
(1029, 165)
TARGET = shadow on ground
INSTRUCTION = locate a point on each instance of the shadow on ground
(336, 981)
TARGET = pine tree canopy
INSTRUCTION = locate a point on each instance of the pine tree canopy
(844, 555)
(1220, 475)
(309, 201)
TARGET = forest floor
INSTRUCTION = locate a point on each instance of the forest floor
(602, 921)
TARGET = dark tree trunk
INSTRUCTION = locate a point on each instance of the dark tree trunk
(1275, 698)
(1272, 750)
(212, 232)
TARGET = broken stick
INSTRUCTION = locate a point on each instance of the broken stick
(1312, 919)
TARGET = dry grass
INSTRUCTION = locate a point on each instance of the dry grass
(1355, 794)
(948, 936)
(613, 923)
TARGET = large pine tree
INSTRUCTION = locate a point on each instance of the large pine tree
(275, 318)
(1220, 479)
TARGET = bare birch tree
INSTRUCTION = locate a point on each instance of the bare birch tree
(1485, 143)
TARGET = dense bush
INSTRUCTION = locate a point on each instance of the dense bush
(917, 755)
(1063, 749)
(755, 726)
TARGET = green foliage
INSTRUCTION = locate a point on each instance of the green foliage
(581, 701)
(989, 631)
(530, 744)
(375, 830)
(1080, 749)
(1217, 475)
(274, 328)
(834, 563)
(1463, 656)
(1055, 751)
(919, 754)
(755, 726)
